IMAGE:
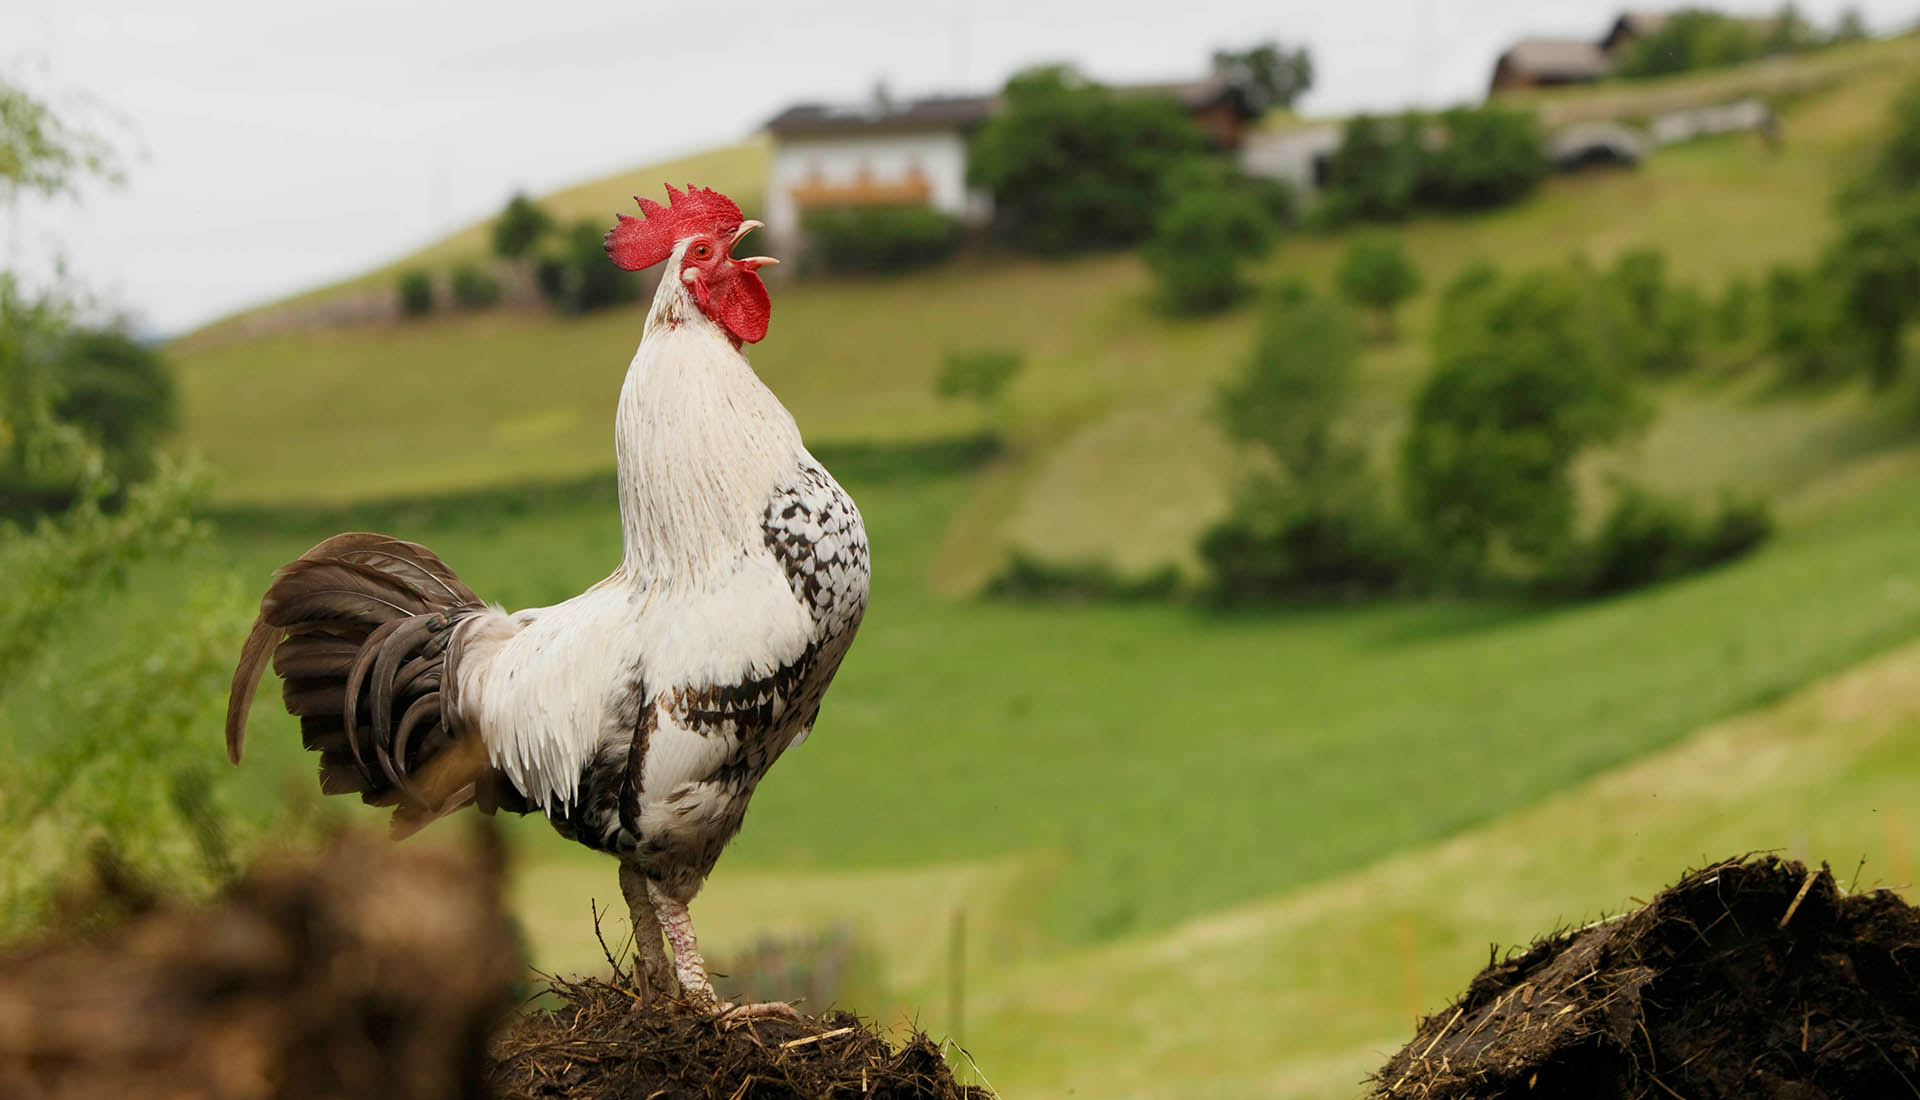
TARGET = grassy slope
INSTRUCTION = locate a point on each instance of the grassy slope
(1112, 397)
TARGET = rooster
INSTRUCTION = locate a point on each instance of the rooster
(639, 716)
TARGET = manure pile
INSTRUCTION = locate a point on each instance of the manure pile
(1750, 979)
(376, 972)
(599, 1046)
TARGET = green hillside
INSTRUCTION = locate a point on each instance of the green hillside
(1200, 853)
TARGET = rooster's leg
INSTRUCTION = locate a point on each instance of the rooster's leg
(653, 972)
(692, 969)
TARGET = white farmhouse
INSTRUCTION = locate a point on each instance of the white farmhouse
(880, 154)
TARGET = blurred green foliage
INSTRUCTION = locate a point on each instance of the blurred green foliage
(1072, 166)
(980, 375)
(415, 290)
(1206, 231)
(575, 276)
(520, 228)
(879, 240)
(1466, 158)
(1526, 375)
(474, 287)
(1376, 273)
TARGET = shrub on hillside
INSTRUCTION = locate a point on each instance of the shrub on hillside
(520, 228)
(416, 292)
(1660, 327)
(1647, 539)
(576, 276)
(474, 287)
(120, 393)
(879, 240)
(1026, 577)
(1526, 376)
(1072, 166)
(1316, 550)
(1806, 328)
(1375, 273)
(980, 375)
(1488, 156)
(1202, 238)
(1310, 525)
(1874, 265)
(1375, 173)
(1689, 40)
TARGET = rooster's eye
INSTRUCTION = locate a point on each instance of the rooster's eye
(702, 250)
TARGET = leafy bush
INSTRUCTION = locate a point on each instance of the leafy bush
(474, 287)
(1490, 155)
(1072, 166)
(1376, 273)
(1310, 526)
(1526, 376)
(1375, 174)
(1690, 40)
(1661, 327)
(1874, 266)
(877, 240)
(979, 375)
(416, 292)
(576, 277)
(1806, 329)
(1202, 238)
(82, 409)
(1269, 75)
(1026, 577)
(520, 228)
(1311, 551)
(1647, 539)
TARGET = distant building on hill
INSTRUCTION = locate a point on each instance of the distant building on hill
(1628, 28)
(881, 153)
(888, 152)
(1549, 62)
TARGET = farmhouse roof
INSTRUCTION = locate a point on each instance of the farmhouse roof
(1556, 59)
(1194, 95)
(932, 113)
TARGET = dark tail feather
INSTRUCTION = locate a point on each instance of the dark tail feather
(361, 628)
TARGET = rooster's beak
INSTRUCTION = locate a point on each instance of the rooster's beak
(750, 262)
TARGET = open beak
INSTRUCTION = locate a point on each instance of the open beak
(750, 262)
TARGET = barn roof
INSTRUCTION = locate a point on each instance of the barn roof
(1557, 59)
(933, 113)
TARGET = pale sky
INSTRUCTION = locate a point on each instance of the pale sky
(275, 146)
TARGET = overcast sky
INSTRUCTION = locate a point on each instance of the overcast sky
(274, 146)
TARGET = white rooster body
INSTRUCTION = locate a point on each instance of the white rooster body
(640, 715)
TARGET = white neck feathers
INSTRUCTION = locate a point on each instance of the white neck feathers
(701, 443)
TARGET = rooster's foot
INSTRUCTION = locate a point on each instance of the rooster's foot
(732, 1016)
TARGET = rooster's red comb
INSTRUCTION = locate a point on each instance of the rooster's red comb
(634, 243)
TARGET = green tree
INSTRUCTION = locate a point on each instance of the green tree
(1660, 327)
(1202, 239)
(1691, 39)
(1490, 155)
(415, 290)
(1525, 378)
(520, 228)
(1072, 166)
(1376, 274)
(1309, 522)
(1268, 74)
(41, 153)
(575, 275)
(1875, 264)
(1375, 173)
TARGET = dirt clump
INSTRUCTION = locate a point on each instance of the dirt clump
(369, 970)
(1751, 978)
(601, 1043)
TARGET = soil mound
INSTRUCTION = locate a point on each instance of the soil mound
(1749, 979)
(369, 971)
(601, 1045)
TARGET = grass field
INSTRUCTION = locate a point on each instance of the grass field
(1237, 851)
